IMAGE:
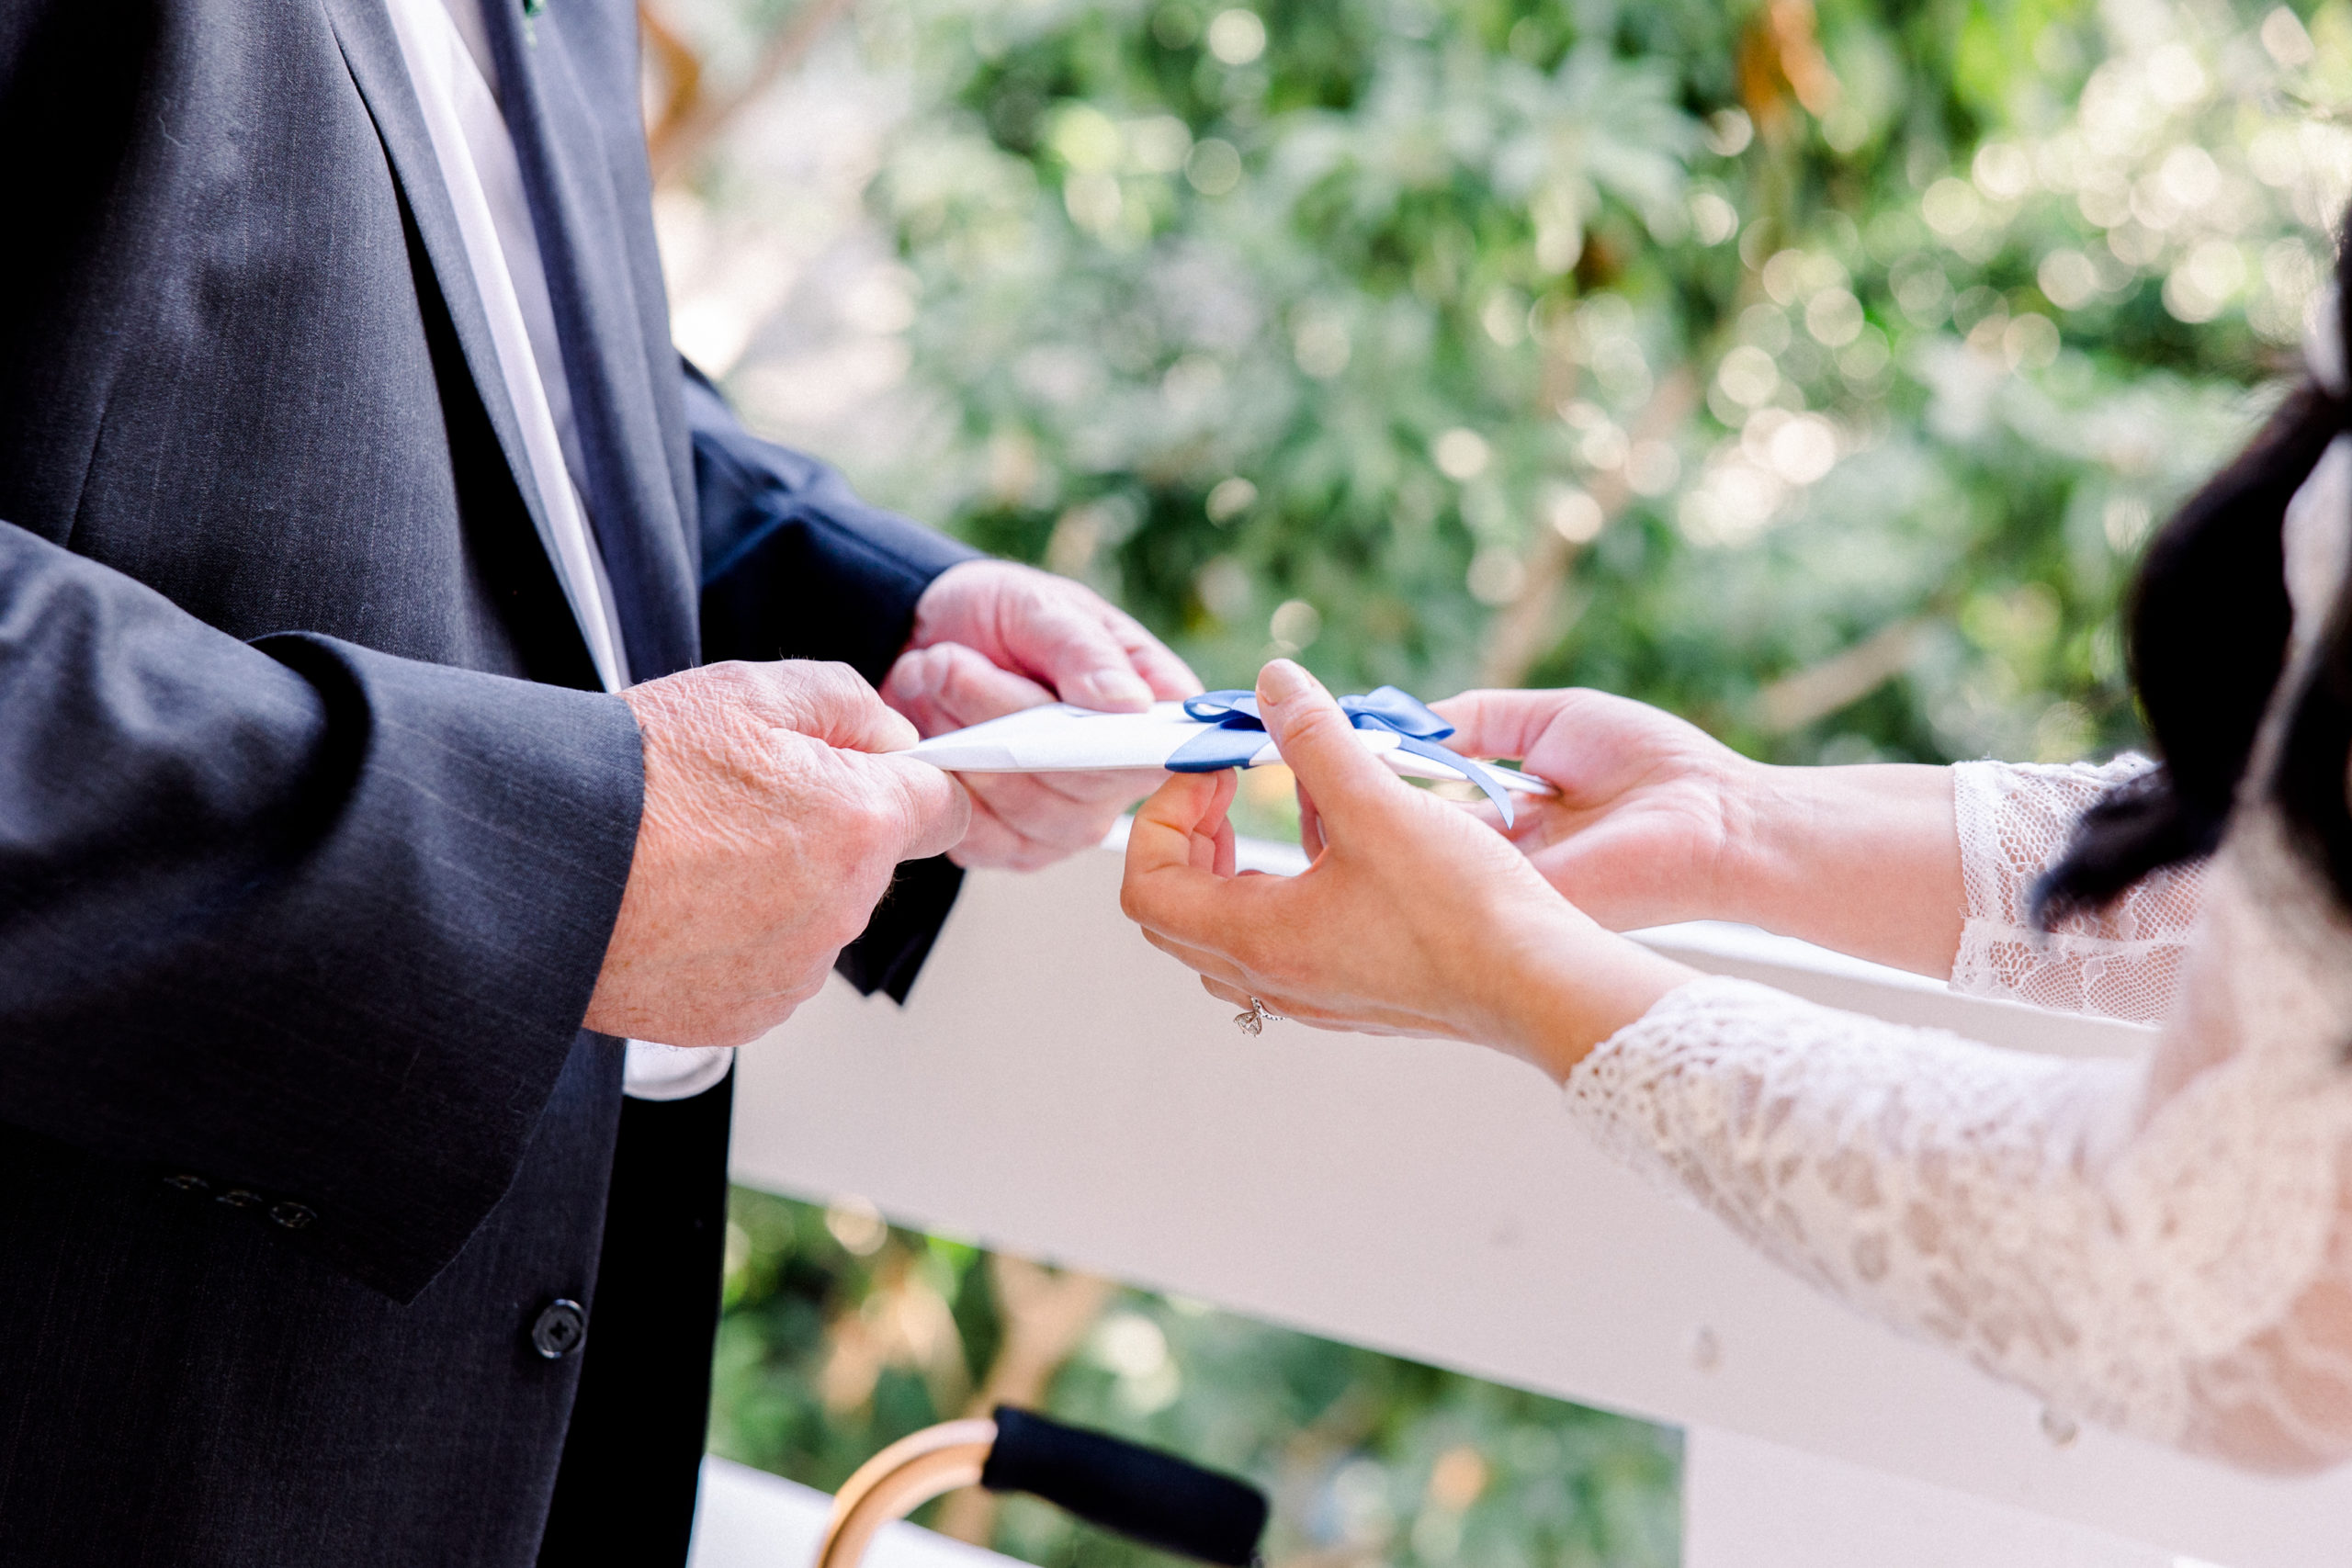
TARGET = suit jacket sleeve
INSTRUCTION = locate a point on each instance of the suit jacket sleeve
(292, 917)
(794, 566)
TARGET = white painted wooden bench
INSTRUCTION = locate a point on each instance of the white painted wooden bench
(1059, 1089)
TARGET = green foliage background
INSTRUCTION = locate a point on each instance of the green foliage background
(1418, 284)
(842, 1334)
(1814, 369)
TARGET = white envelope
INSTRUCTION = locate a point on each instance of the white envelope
(1061, 739)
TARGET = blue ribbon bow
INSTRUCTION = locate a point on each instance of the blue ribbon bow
(1240, 732)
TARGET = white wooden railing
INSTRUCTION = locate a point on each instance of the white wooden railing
(1058, 1089)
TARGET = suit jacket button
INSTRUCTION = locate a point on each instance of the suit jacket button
(241, 1198)
(293, 1216)
(559, 1329)
(187, 1183)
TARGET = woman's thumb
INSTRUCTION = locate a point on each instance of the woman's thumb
(1316, 739)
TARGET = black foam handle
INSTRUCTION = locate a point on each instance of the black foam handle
(1154, 1497)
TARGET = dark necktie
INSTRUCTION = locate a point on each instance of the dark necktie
(586, 181)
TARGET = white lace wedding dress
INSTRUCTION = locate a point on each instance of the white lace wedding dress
(2163, 1245)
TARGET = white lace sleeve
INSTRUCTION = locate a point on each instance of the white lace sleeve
(2014, 820)
(2159, 1245)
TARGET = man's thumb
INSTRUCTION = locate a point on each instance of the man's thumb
(1318, 741)
(934, 811)
(834, 703)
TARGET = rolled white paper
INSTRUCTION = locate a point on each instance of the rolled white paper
(1061, 738)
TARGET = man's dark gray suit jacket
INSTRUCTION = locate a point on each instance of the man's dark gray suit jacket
(312, 828)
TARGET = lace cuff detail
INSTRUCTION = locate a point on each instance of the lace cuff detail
(2137, 1267)
(2014, 820)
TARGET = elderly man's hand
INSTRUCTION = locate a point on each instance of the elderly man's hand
(771, 829)
(992, 638)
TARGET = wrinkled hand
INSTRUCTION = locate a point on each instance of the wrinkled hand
(1412, 920)
(1650, 822)
(769, 833)
(992, 638)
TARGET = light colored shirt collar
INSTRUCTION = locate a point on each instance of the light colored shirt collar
(446, 47)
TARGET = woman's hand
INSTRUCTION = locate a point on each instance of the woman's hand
(1653, 819)
(1656, 821)
(1413, 919)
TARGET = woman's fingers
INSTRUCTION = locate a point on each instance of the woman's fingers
(1220, 977)
(1222, 848)
(1201, 961)
(1281, 1009)
(1243, 918)
(1310, 824)
(1226, 992)
(1586, 743)
(1180, 849)
(1212, 840)
(1320, 746)
(1171, 815)
(1538, 822)
(1497, 722)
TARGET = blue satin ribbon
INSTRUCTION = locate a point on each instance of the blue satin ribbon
(1240, 732)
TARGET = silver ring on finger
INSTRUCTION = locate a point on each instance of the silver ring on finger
(1254, 1022)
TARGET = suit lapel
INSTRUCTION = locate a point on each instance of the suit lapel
(364, 31)
(594, 241)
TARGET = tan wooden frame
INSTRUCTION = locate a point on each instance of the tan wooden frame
(897, 1481)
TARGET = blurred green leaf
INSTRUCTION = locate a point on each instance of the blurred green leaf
(1368, 1458)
